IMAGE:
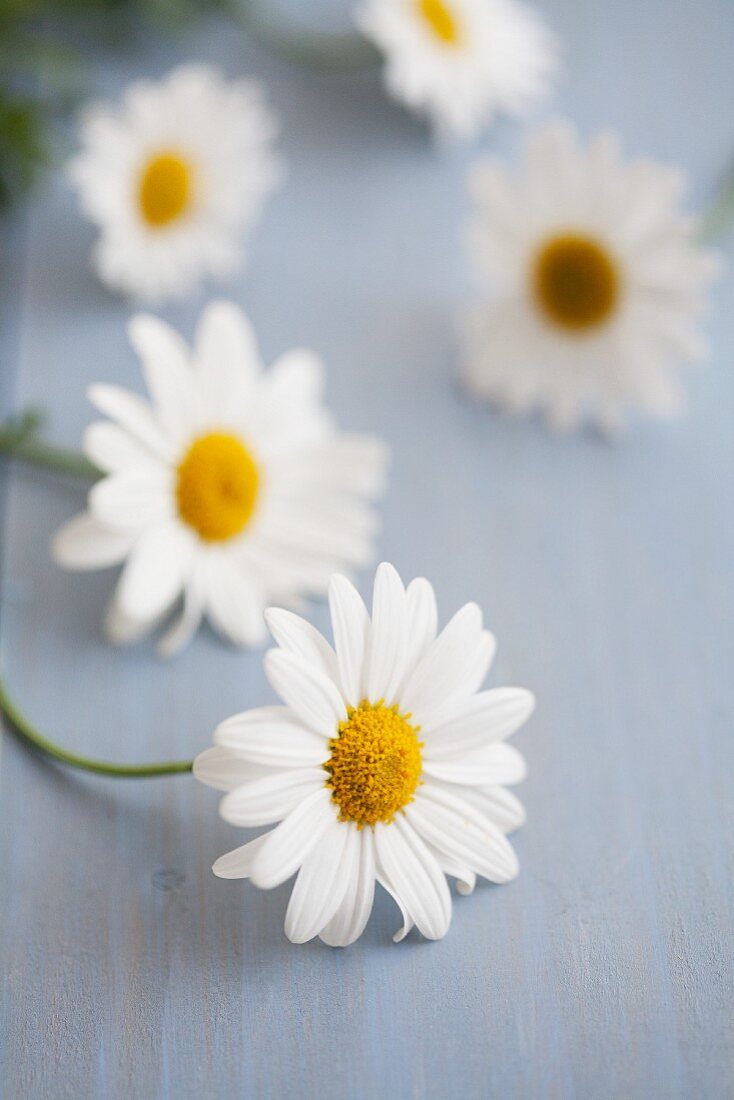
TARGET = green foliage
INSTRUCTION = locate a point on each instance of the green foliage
(43, 44)
(23, 148)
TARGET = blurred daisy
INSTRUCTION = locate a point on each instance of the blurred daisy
(461, 61)
(385, 764)
(230, 487)
(595, 283)
(173, 176)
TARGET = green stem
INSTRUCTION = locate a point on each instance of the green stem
(22, 727)
(718, 218)
(310, 49)
(19, 439)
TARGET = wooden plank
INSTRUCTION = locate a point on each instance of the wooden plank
(606, 572)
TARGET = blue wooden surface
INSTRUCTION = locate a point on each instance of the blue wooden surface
(606, 969)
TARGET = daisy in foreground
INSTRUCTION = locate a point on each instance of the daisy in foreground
(173, 176)
(385, 764)
(230, 487)
(595, 283)
(461, 61)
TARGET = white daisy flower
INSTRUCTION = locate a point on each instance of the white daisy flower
(385, 764)
(230, 487)
(595, 283)
(173, 176)
(461, 61)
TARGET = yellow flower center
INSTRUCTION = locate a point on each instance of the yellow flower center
(440, 18)
(166, 189)
(375, 764)
(217, 486)
(575, 282)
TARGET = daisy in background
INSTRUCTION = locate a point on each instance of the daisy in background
(461, 62)
(385, 764)
(594, 283)
(230, 488)
(173, 176)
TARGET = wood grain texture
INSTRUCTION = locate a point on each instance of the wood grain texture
(606, 969)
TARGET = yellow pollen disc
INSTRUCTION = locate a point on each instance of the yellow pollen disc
(575, 282)
(166, 189)
(375, 764)
(216, 487)
(440, 19)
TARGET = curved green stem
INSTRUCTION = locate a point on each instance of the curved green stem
(22, 727)
(312, 50)
(19, 439)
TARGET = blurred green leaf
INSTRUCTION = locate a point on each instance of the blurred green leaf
(23, 146)
(42, 60)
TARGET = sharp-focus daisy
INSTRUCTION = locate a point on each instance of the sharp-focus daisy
(385, 764)
(461, 61)
(173, 176)
(230, 488)
(595, 283)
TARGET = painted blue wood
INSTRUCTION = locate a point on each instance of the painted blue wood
(607, 573)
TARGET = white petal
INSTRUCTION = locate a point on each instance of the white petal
(300, 531)
(114, 450)
(386, 642)
(462, 833)
(131, 501)
(271, 797)
(479, 665)
(497, 803)
(505, 764)
(501, 806)
(188, 622)
(321, 884)
(166, 366)
(444, 665)
(234, 603)
(466, 879)
(350, 918)
(286, 571)
(296, 377)
(422, 622)
(290, 413)
(135, 415)
(272, 736)
(311, 695)
(237, 864)
(296, 635)
(469, 724)
(155, 572)
(350, 624)
(341, 463)
(407, 924)
(286, 847)
(223, 769)
(496, 765)
(120, 629)
(465, 885)
(85, 543)
(414, 876)
(226, 350)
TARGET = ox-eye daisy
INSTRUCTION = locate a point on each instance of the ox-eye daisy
(173, 176)
(385, 764)
(229, 488)
(461, 61)
(595, 283)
